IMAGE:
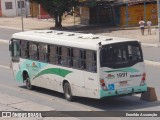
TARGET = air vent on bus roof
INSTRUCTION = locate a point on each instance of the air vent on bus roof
(59, 33)
(49, 32)
(70, 34)
(88, 36)
(108, 39)
(38, 31)
(95, 37)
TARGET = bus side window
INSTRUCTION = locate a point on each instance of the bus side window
(48, 53)
(76, 58)
(91, 61)
(33, 51)
(82, 59)
(41, 51)
(24, 49)
(70, 57)
(64, 60)
(94, 61)
(58, 54)
(52, 54)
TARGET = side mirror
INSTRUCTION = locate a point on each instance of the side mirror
(10, 45)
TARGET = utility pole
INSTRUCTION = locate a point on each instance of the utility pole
(74, 17)
(158, 9)
(21, 14)
(126, 14)
(145, 11)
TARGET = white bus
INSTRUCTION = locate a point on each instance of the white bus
(78, 64)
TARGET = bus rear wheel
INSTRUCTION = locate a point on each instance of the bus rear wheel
(28, 84)
(68, 92)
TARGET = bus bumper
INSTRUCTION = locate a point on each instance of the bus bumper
(124, 91)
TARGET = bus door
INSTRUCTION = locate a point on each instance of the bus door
(15, 55)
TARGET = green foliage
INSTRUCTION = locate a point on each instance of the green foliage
(57, 7)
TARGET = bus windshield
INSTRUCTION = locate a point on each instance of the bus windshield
(120, 54)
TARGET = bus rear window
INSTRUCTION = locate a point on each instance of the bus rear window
(120, 54)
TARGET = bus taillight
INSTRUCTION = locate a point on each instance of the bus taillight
(143, 79)
(103, 84)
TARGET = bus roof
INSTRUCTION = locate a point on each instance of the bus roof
(72, 39)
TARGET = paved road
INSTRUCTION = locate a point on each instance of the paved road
(151, 53)
(5, 55)
(6, 33)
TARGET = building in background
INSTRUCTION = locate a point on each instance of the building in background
(130, 12)
(118, 12)
(37, 10)
(11, 8)
(97, 12)
(0, 9)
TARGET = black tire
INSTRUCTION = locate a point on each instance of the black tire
(67, 92)
(28, 84)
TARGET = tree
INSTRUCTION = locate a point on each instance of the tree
(56, 8)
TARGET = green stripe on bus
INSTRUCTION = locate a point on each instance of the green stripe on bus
(56, 71)
(123, 70)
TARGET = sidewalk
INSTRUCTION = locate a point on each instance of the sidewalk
(34, 23)
(12, 103)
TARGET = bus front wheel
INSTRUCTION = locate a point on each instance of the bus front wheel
(68, 92)
(28, 84)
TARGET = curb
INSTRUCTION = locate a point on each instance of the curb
(4, 41)
(150, 45)
(15, 28)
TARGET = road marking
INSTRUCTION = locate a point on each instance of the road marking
(5, 67)
(148, 62)
(11, 28)
(4, 41)
(150, 45)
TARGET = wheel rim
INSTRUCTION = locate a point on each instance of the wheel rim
(67, 91)
(28, 84)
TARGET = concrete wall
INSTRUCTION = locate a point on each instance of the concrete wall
(0, 9)
(136, 13)
(84, 15)
(15, 11)
(8, 12)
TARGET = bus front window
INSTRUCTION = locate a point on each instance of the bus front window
(120, 54)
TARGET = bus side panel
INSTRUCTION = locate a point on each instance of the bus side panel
(46, 76)
(76, 81)
(91, 84)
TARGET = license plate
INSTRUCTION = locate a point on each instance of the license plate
(124, 91)
(123, 83)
